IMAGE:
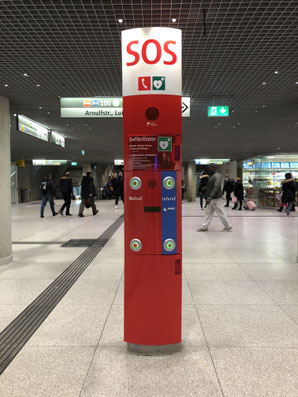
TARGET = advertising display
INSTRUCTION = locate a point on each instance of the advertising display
(152, 126)
(30, 127)
(57, 139)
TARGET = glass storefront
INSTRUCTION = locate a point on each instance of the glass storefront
(262, 177)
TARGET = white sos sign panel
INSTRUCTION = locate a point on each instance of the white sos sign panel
(151, 61)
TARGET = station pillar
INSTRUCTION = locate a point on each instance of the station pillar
(5, 196)
(191, 183)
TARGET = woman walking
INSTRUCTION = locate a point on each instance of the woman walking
(239, 194)
(288, 188)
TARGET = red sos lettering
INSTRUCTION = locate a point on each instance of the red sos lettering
(159, 50)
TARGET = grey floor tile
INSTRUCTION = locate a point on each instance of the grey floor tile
(114, 373)
(292, 311)
(257, 372)
(46, 372)
(21, 292)
(283, 292)
(71, 325)
(90, 292)
(214, 271)
(32, 271)
(237, 292)
(258, 326)
(272, 271)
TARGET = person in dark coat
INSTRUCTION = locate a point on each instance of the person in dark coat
(88, 194)
(66, 190)
(47, 188)
(119, 190)
(288, 188)
(239, 194)
(228, 188)
(202, 188)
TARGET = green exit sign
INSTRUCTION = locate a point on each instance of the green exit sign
(218, 111)
(74, 163)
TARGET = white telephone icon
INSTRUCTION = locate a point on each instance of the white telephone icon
(143, 83)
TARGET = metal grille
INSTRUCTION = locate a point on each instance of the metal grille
(72, 48)
(20, 330)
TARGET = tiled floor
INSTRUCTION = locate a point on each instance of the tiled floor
(240, 311)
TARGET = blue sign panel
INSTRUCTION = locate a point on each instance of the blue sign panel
(294, 164)
(169, 212)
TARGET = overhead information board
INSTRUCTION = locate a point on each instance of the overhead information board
(57, 139)
(218, 111)
(102, 107)
(32, 128)
(49, 162)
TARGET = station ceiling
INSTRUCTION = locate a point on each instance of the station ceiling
(245, 58)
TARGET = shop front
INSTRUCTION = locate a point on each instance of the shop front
(262, 177)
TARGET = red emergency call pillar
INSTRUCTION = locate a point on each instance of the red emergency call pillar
(152, 124)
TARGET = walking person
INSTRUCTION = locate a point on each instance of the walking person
(88, 194)
(228, 188)
(66, 190)
(202, 188)
(47, 188)
(213, 195)
(119, 190)
(239, 194)
(288, 188)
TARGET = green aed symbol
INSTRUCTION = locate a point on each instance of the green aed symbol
(158, 83)
(164, 144)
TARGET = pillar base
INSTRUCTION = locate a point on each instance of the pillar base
(5, 261)
(153, 350)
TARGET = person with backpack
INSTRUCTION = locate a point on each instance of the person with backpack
(47, 188)
(213, 196)
(88, 194)
(66, 190)
(202, 188)
(228, 188)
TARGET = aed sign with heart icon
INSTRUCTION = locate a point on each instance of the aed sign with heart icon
(158, 83)
(164, 143)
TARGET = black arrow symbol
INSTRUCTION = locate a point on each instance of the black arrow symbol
(184, 107)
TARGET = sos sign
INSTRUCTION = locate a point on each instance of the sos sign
(137, 52)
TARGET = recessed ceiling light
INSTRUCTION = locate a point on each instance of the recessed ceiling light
(37, 85)
(90, 128)
(67, 125)
(5, 85)
(120, 20)
(215, 127)
(278, 148)
(40, 107)
(296, 82)
(233, 111)
(174, 20)
(59, 96)
(238, 123)
(256, 111)
(276, 72)
(72, 128)
(15, 115)
(26, 74)
(86, 125)
(234, 127)
(264, 82)
(49, 112)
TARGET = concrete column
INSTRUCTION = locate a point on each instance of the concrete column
(190, 179)
(5, 196)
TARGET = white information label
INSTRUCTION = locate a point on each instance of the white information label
(151, 61)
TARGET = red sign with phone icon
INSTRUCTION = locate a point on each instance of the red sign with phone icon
(144, 83)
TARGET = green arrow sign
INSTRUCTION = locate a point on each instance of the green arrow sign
(218, 111)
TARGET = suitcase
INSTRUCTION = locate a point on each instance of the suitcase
(250, 205)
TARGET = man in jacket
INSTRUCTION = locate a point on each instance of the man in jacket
(88, 194)
(66, 190)
(213, 195)
(47, 188)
